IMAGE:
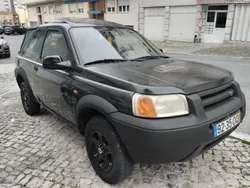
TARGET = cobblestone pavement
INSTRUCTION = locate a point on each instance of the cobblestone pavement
(235, 49)
(44, 151)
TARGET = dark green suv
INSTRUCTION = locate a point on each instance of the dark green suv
(132, 103)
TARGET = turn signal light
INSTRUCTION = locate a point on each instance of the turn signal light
(145, 107)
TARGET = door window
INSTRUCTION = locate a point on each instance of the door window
(221, 20)
(210, 17)
(55, 44)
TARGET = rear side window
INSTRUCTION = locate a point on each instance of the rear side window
(33, 47)
(27, 37)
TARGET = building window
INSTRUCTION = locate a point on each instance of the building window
(123, 5)
(51, 9)
(110, 5)
(44, 10)
(80, 10)
(58, 9)
(72, 8)
(220, 7)
(80, 7)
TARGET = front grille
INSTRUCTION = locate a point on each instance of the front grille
(213, 98)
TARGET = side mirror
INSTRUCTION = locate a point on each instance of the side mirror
(161, 50)
(55, 62)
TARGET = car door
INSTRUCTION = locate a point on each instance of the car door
(55, 85)
(29, 57)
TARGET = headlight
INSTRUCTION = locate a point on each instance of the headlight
(160, 106)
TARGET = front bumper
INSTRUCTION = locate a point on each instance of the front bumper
(4, 51)
(155, 141)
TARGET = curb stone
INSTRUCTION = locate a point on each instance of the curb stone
(241, 136)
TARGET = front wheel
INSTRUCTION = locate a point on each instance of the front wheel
(106, 152)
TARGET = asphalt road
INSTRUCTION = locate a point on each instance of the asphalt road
(240, 68)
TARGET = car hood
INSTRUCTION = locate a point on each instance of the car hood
(2, 41)
(160, 76)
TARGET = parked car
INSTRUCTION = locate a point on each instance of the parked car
(4, 48)
(1, 30)
(132, 103)
(14, 29)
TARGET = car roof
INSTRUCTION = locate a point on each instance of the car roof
(81, 22)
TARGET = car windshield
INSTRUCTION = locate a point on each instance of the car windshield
(106, 43)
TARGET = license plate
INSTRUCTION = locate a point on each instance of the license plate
(226, 125)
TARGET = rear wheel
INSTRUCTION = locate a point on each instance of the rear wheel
(106, 152)
(29, 105)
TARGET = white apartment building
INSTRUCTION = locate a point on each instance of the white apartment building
(45, 11)
(5, 5)
(125, 12)
(208, 21)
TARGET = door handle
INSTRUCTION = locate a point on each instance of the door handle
(35, 68)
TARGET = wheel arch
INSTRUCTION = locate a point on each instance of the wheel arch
(21, 76)
(90, 106)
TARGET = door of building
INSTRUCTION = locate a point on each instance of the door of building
(216, 24)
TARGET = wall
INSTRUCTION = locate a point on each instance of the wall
(65, 11)
(2, 7)
(151, 3)
(5, 16)
(229, 23)
(32, 14)
(22, 16)
(125, 18)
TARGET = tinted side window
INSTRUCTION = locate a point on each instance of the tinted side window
(32, 50)
(55, 44)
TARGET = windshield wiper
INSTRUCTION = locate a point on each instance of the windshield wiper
(149, 57)
(105, 61)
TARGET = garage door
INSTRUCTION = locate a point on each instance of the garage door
(182, 23)
(154, 23)
(241, 26)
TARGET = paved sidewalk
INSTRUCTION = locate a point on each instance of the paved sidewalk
(44, 151)
(235, 49)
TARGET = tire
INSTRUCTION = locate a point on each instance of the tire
(102, 142)
(29, 105)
